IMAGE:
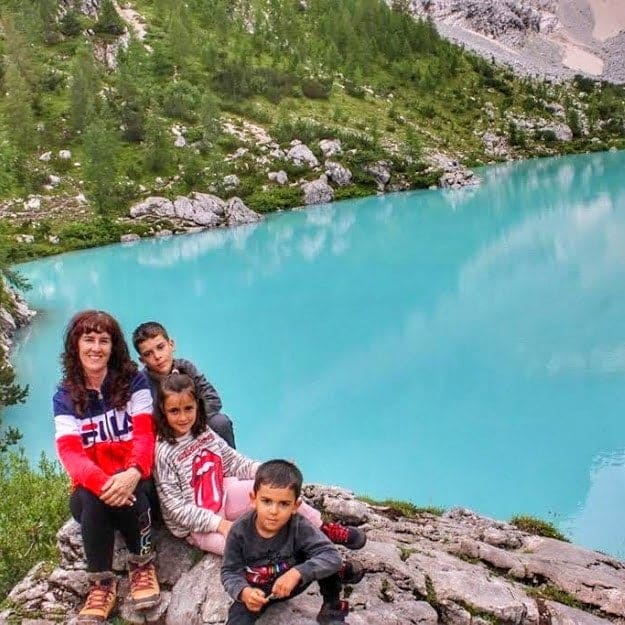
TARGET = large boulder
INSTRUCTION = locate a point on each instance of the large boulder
(237, 213)
(330, 147)
(318, 191)
(153, 205)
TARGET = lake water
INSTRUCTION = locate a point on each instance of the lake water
(460, 348)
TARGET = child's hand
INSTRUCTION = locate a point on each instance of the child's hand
(224, 527)
(253, 598)
(284, 585)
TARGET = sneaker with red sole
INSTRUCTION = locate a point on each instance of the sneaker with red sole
(350, 537)
(333, 613)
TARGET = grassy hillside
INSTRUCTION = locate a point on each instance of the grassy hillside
(388, 86)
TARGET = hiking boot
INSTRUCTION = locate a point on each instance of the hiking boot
(144, 589)
(333, 613)
(100, 601)
(351, 572)
(350, 537)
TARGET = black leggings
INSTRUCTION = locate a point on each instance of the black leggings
(98, 522)
(329, 587)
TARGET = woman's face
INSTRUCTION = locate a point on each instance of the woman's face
(94, 351)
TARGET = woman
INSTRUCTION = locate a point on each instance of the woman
(105, 440)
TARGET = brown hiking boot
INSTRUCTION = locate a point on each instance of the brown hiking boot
(100, 601)
(144, 589)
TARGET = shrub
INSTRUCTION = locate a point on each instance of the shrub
(279, 198)
(33, 506)
(180, 100)
(316, 89)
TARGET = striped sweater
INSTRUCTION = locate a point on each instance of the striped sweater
(189, 478)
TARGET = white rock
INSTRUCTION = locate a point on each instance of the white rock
(54, 180)
(278, 176)
(180, 141)
(24, 238)
(231, 181)
(65, 155)
(131, 237)
(45, 157)
(330, 147)
(33, 203)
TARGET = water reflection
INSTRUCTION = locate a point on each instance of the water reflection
(476, 337)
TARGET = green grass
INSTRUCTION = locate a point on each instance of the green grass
(396, 508)
(538, 527)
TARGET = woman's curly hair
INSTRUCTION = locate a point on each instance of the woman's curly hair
(178, 383)
(121, 369)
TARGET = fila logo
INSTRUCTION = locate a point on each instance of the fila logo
(115, 425)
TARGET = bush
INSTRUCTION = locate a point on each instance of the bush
(180, 100)
(279, 198)
(33, 506)
(317, 89)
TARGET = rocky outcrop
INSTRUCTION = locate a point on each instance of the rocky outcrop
(202, 209)
(14, 314)
(381, 173)
(456, 569)
(301, 155)
(338, 173)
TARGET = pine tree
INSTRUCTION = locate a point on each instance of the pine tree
(83, 90)
(109, 22)
(21, 126)
(101, 149)
(157, 146)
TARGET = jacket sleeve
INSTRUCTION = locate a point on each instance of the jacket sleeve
(67, 433)
(322, 557)
(233, 563)
(143, 437)
(177, 511)
(212, 401)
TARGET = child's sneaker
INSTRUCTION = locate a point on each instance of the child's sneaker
(144, 589)
(350, 537)
(100, 601)
(333, 613)
(351, 572)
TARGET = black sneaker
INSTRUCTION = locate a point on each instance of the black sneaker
(333, 613)
(351, 572)
(350, 537)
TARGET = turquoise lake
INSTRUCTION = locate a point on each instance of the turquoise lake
(452, 348)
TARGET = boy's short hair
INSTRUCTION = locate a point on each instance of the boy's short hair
(147, 330)
(279, 474)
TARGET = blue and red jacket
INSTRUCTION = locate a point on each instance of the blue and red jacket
(105, 440)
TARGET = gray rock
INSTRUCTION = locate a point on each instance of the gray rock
(25, 238)
(302, 156)
(381, 172)
(153, 205)
(278, 176)
(338, 173)
(318, 191)
(65, 155)
(131, 237)
(330, 147)
(237, 213)
(45, 157)
(231, 181)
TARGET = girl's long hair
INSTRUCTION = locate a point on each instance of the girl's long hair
(178, 383)
(120, 368)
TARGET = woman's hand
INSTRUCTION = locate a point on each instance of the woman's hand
(119, 488)
(224, 527)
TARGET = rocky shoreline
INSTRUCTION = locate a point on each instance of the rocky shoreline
(458, 569)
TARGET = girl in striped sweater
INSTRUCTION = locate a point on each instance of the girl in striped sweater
(202, 483)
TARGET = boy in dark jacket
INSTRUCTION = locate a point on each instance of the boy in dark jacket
(273, 554)
(156, 352)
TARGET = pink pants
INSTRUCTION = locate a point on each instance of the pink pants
(237, 502)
